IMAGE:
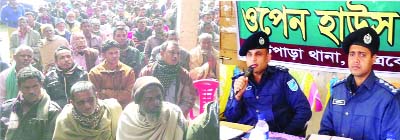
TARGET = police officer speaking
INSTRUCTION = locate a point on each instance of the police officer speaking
(269, 91)
(362, 106)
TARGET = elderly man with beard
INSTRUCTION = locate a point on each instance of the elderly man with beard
(149, 117)
(58, 81)
(83, 55)
(129, 54)
(72, 24)
(23, 56)
(87, 117)
(112, 78)
(203, 59)
(96, 29)
(32, 115)
(49, 45)
(174, 78)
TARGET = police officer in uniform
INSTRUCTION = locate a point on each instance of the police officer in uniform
(362, 106)
(268, 91)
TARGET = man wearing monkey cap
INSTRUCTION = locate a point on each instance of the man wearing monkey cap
(149, 116)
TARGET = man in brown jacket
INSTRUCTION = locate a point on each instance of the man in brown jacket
(175, 79)
(112, 78)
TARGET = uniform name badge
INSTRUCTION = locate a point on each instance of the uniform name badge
(338, 102)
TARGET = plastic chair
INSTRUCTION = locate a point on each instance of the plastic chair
(206, 89)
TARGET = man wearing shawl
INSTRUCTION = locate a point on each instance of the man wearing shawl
(49, 45)
(87, 118)
(23, 57)
(32, 115)
(174, 78)
(149, 117)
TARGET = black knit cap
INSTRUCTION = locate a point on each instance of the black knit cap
(258, 40)
(366, 37)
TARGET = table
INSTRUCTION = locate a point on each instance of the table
(245, 129)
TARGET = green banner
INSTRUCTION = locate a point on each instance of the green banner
(321, 24)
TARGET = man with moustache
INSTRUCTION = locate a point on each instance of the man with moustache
(268, 91)
(362, 106)
(112, 78)
(59, 80)
(184, 56)
(149, 117)
(83, 56)
(87, 117)
(32, 115)
(174, 78)
(23, 57)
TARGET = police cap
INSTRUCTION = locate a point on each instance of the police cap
(258, 40)
(366, 37)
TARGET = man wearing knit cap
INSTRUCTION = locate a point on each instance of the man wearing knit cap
(267, 92)
(149, 116)
(362, 106)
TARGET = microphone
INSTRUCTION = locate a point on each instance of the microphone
(247, 73)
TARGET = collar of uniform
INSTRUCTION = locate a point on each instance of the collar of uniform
(368, 83)
(267, 74)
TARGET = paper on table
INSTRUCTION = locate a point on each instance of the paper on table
(227, 133)
(325, 137)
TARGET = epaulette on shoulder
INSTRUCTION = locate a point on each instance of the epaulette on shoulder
(338, 82)
(387, 86)
(281, 68)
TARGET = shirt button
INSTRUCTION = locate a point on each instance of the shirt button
(257, 97)
(257, 111)
(347, 113)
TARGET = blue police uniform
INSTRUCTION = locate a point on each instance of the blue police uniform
(369, 112)
(277, 97)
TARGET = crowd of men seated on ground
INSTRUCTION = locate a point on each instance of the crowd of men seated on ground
(76, 67)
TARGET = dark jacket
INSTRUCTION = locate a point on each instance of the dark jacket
(37, 124)
(278, 97)
(58, 83)
(368, 112)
